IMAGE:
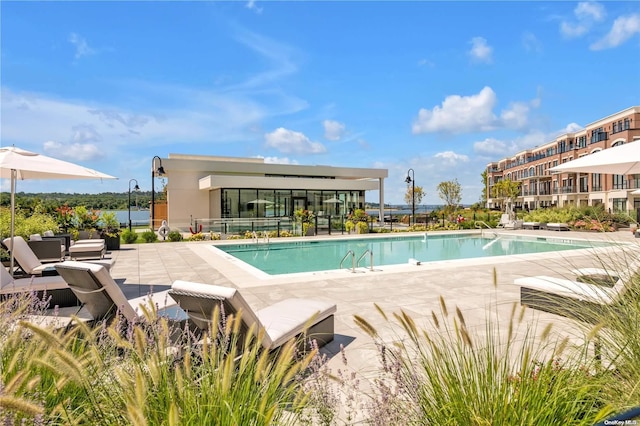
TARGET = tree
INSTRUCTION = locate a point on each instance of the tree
(418, 194)
(451, 193)
(506, 190)
(483, 194)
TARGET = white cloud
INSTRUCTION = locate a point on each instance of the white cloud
(465, 114)
(450, 158)
(516, 116)
(531, 42)
(74, 151)
(589, 10)
(289, 141)
(572, 128)
(480, 50)
(586, 14)
(426, 63)
(251, 5)
(81, 45)
(279, 160)
(333, 130)
(622, 30)
(491, 147)
(459, 114)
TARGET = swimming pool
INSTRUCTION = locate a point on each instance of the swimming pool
(310, 256)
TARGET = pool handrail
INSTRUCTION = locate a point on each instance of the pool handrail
(353, 260)
(370, 258)
(482, 229)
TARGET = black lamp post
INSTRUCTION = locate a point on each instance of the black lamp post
(412, 180)
(135, 188)
(160, 172)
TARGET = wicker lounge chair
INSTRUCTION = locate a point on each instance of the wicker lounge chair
(30, 263)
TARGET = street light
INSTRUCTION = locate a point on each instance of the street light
(413, 192)
(135, 188)
(160, 172)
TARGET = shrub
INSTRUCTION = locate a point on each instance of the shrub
(129, 237)
(149, 236)
(128, 373)
(174, 236)
(349, 226)
(362, 228)
(215, 235)
(196, 237)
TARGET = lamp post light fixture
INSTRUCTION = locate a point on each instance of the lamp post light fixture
(135, 188)
(412, 180)
(159, 171)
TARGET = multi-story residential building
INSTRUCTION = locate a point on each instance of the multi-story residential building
(541, 188)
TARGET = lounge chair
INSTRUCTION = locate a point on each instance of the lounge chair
(30, 263)
(531, 225)
(555, 226)
(54, 286)
(593, 289)
(504, 220)
(102, 298)
(281, 321)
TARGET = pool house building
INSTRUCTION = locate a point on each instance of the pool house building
(214, 191)
(541, 188)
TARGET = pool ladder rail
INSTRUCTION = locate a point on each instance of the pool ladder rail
(256, 238)
(355, 264)
(479, 224)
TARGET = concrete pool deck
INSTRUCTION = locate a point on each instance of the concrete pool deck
(466, 284)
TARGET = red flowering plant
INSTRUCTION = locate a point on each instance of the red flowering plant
(64, 217)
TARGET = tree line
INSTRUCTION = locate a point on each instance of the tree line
(48, 202)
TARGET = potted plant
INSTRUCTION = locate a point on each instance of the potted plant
(110, 230)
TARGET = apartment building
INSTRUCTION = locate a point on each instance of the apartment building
(541, 188)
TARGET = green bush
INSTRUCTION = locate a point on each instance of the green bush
(197, 237)
(149, 236)
(362, 228)
(174, 236)
(37, 223)
(129, 237)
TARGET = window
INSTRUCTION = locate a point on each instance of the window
(598, 135)
(619, 204)
(619, 182)
(625, 125)
(596, 182)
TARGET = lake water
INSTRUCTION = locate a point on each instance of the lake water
(138, 217)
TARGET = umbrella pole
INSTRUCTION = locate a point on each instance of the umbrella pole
(14, 172)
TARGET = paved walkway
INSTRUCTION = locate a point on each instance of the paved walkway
(467, 284)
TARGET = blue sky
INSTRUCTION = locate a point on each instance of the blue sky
(440, 87)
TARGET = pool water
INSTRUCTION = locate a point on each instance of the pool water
(308, 256)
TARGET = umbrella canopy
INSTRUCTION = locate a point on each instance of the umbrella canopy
(333, 200)
(260, 201)
(619, 160)
(16, 163)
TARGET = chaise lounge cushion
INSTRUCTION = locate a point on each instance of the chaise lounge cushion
(570, 289)
(281, 321)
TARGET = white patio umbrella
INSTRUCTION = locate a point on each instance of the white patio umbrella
(619, 160)
(333, 200)
(16, 163)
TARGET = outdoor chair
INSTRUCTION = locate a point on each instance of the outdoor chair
(556, 226)
(47, 249)
(29, 262)
(102, 298)
(54, 287)
(282, 321)
(593, 290)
